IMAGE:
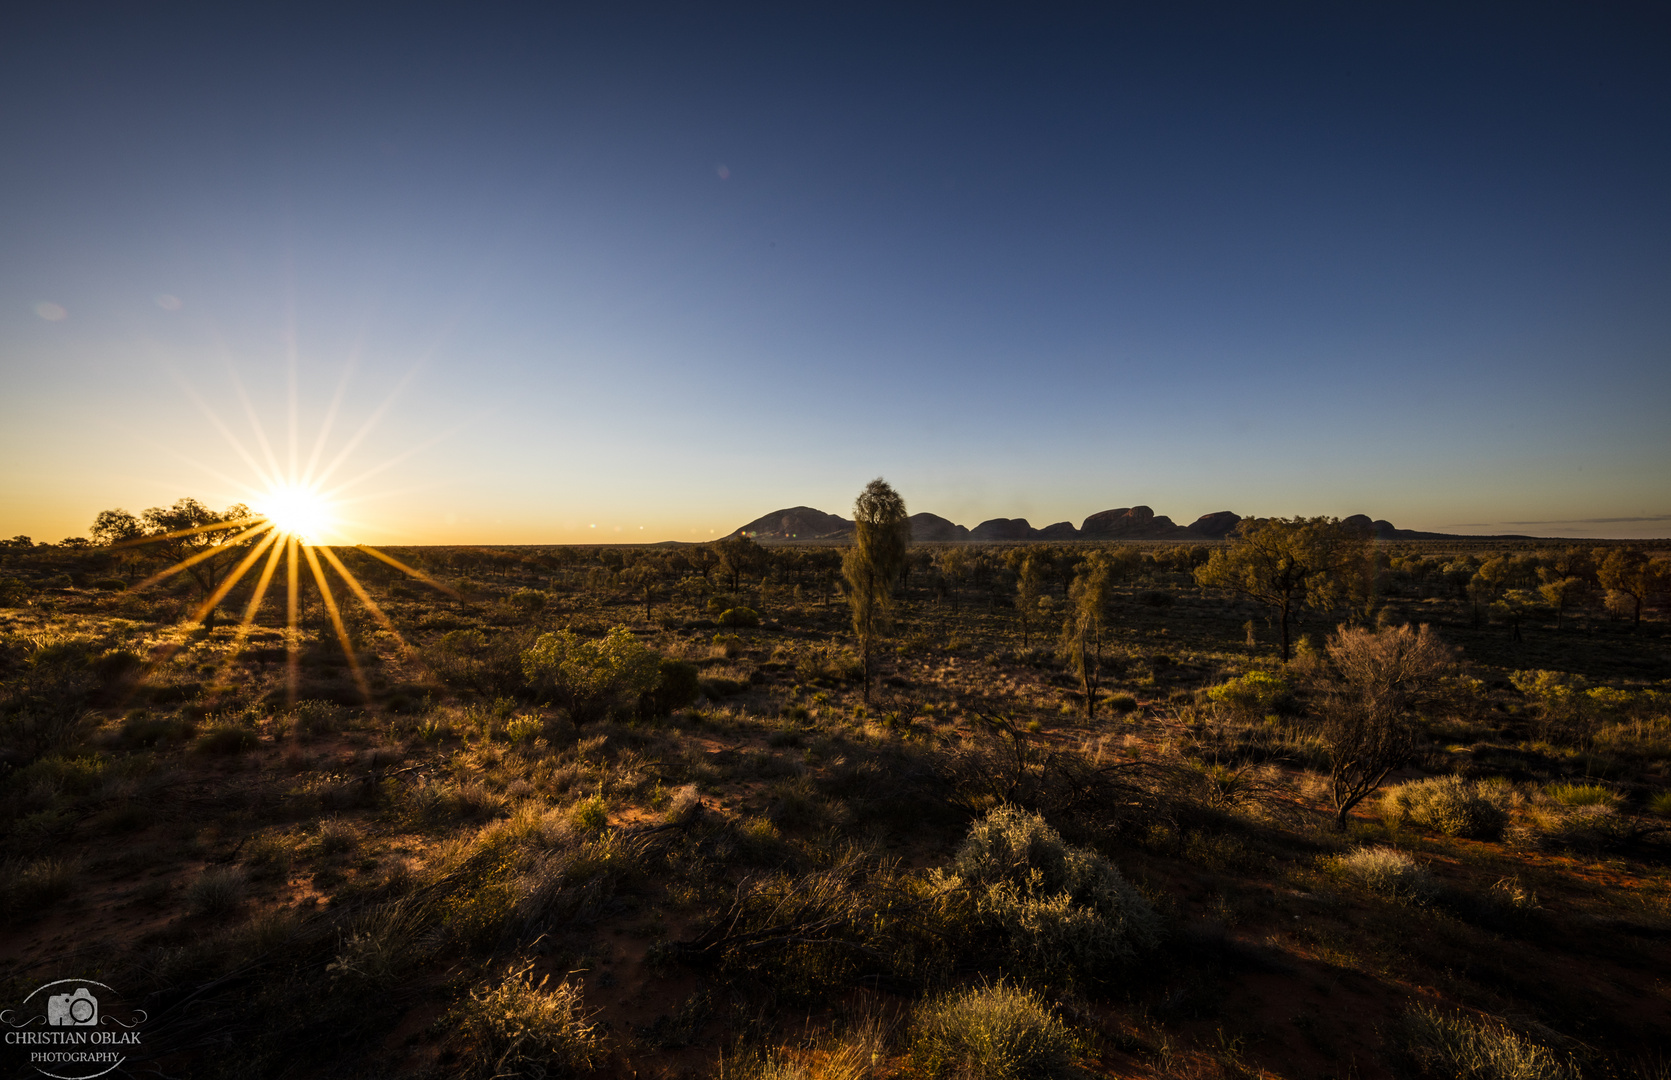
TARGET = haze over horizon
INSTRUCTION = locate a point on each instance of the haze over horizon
(646, 273)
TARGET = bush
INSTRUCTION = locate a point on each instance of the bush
(1455, 1045)
(1389, 872)
(226, 738)
(1252, 696)
(677, 685)
(31, 890)
(1000, 1032)
(1446, 804)
(739, 616)
(587, 676)
(528, 601)
(520, 1028)
(1583, 795)
(216, 892)
(1062, 910)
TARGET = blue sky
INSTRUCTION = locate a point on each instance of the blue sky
(633, 272)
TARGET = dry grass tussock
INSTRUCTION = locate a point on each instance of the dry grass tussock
(1456, 1045)
(517, 1027)
(997, 1032)
(1451, 805)
(1387, 872)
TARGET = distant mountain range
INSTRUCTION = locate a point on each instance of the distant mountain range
(1125, 523)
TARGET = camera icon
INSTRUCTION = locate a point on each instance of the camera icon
(80, 1009)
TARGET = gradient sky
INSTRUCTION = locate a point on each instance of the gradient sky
(616, 272)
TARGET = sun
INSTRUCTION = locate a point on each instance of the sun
(298, 511)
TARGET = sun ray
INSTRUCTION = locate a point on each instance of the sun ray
(292, 509)
(260, 429)
(365, 597)
(226, 432)
(365, 429)
(292, 642)
(413, 571)
(193, 560)
(306, 478)
(336, 619)
(151, 538)
(274, 554)
(234, 577)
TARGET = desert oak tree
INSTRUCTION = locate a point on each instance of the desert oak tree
(881, 535)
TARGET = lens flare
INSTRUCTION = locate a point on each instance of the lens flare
(290, 525)
(298, 511)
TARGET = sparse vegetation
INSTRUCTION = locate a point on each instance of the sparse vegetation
(573, 821)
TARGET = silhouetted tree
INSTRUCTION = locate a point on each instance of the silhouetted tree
(739, 555)
(881, 534)
(189, 534)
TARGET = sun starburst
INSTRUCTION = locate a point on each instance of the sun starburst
(290, 516)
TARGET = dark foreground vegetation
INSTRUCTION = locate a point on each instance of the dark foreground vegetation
(1035, 812)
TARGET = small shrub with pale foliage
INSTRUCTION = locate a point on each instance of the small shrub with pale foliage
(1001, 1032)
(521, 1028)
(1456, 1045)
(1447, 804)
(1061, 909)
(1389, 872)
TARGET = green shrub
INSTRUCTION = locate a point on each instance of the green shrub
(739, 617)
(590, 814)
(1436, 1043)
(1253, 696)
(519, 1028)
(586, 676)
(1660, 804)
(1388, 872)
(1447, 804)
(1000, 1032)
(1061, 910)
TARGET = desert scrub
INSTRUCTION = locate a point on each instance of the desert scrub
(1437, 1043)
(29, 890)
(1582, 795)
(517, 1027)
(216, 892)
(1252, 696)
(1388, 872)
(1447, 804)
(1000, 1032)
(1061, 910)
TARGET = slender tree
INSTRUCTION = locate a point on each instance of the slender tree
(1032, 583)
(1085, 630)
(881, 535)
